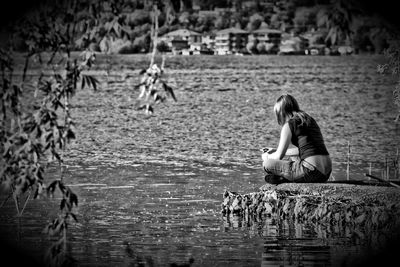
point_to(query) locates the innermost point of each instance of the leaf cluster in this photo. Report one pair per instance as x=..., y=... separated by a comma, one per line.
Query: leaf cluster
x=32, y=140
x=69, y=200
x=393, y=67
x=153, y=89
x=29, y=140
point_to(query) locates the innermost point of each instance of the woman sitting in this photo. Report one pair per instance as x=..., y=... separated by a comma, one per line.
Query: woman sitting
x=313, y=163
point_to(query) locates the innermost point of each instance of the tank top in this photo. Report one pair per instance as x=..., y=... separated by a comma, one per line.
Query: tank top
x=307, y=138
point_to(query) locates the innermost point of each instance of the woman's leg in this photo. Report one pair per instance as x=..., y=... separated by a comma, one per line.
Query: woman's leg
x=314, y=176
x=291, y=171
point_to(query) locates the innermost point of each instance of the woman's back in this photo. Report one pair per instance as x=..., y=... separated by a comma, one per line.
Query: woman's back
x=307, y=136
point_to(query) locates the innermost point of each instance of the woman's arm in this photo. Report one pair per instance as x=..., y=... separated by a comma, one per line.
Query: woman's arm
x=290, y=152
x=284, y=141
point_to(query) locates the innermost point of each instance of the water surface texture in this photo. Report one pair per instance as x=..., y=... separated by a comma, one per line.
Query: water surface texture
x=150, y=187
x=224, y=110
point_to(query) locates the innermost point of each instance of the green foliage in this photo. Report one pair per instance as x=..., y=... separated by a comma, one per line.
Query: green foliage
x=252, y=47
x=337, y=20
x=162, y=47
x=206, y=23
x=130, y=21
x=255, y=22
x=261, y=49
x=221, y=22
x=305, y=18
x=34, y=139
x=393, y=67
x=396, y=95
x=153, y=89
x=138, y=18
x=31, y=141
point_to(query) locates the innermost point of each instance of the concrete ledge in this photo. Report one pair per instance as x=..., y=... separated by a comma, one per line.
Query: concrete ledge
x=328, y=203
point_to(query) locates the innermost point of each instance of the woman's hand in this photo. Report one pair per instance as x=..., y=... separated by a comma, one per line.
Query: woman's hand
x=264, y=156
x=268, y=153
x=274, y=155
x=266, y=149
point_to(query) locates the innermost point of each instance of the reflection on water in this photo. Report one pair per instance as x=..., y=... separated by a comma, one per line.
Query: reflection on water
x=150, y=188
x=145, y=214
x=288, y=243
x=169, y=218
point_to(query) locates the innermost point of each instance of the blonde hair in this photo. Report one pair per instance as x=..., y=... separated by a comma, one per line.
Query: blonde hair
x=286, y=107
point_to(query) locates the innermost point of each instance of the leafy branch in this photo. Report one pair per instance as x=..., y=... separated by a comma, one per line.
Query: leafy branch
x=393, y=67
x=152, y=86
x=33, y=140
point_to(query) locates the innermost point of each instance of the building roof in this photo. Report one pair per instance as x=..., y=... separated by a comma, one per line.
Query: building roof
x=267, y=30
x=231, y=30
x=312, y=34
x=182, y=32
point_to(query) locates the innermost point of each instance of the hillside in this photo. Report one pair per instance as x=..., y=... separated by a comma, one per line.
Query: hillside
x=128, y=22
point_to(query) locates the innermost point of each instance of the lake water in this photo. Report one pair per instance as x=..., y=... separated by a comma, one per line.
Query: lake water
x=150, y=187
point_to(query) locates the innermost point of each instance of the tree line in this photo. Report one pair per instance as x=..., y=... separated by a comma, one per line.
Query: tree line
x=126, y=24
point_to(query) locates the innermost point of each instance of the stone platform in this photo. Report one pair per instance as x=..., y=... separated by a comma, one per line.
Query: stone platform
x=370, y=206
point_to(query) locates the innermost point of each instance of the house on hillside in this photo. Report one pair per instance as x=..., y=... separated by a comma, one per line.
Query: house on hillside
x=230, y=40
x=208, y=40
x=292, y=45
x=181, y=39
x=178, y=44
x=316, y=42
x=271, y=38
x=315, y=36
